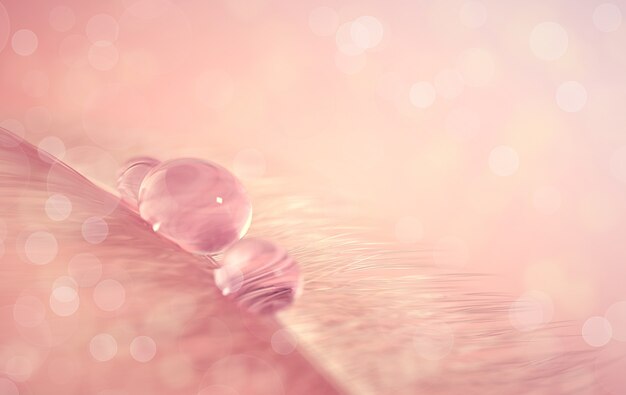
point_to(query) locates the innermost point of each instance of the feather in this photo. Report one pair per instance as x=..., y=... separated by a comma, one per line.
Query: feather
x=374, y=317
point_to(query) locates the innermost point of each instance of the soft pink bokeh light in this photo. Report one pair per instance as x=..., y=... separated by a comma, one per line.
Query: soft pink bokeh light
x=491, y=130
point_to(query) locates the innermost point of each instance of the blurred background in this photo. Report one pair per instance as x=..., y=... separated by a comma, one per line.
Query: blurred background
x=492, y=129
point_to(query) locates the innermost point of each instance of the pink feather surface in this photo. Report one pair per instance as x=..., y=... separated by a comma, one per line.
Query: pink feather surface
x=141, y=285
x=91, y=308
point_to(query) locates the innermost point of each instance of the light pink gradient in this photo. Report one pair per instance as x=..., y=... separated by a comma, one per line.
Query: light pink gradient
x=491, y=131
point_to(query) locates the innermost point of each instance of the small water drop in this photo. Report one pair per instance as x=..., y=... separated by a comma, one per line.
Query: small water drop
x=259, y=275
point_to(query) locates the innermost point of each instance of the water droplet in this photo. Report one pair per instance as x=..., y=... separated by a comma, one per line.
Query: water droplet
x=180, y=199
x=130, y=178
x=259, y=275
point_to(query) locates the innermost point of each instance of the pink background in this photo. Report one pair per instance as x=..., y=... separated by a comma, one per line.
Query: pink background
x=461, y=127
